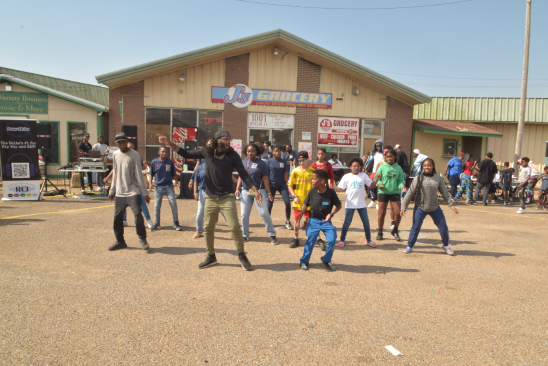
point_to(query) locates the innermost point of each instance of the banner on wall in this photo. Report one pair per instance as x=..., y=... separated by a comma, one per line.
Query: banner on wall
x=241, y=95
x=19, y=160
x=338, y=131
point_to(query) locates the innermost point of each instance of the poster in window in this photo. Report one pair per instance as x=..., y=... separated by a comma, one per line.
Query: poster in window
x=338, y=131
x=181, y=136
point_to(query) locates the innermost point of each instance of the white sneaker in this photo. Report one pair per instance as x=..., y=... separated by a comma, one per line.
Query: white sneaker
x=493, y=201
x=391, y=227
x=125, y=222
x=150, y=224
x=372, y=204
x=521, y=210
x=377, y=206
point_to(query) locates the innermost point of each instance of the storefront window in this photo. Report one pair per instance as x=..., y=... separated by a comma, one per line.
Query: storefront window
x=157, y=121
x=208, y=124
x=372, y=130
x=450, y=147
x=184, y=118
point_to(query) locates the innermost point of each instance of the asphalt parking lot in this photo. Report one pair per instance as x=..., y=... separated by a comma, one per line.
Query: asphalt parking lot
x=67, y=300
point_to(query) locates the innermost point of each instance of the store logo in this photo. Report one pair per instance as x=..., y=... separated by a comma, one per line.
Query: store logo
x=21, y=188
x=240, y=96
x=326, y=124
x=17, y=129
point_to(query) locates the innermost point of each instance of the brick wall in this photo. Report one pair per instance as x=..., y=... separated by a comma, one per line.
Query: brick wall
x=235, y=119
x=399, y=125
x=134, y=112
x=306, y=119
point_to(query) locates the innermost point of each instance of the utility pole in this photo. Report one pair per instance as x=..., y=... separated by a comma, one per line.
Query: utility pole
x=521, y=123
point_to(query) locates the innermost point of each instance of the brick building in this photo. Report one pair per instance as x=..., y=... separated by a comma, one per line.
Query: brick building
x=289, y=92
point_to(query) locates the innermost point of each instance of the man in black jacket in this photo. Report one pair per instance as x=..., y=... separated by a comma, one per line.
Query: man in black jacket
x=220, y=162
x=487, y=171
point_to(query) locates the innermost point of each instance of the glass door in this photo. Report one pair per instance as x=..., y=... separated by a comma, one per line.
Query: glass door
x=75, y=136
x=259, y=135
x=282, y=137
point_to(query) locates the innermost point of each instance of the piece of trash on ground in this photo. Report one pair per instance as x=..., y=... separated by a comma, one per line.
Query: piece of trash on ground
x=394, y=351
x=310, y=326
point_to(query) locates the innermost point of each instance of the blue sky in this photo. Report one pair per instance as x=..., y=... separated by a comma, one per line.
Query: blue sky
x=479, y=39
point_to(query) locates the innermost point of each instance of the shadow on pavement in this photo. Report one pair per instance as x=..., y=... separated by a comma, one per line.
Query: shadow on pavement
x=6, y=222
x=285, y=267
x=186, y=251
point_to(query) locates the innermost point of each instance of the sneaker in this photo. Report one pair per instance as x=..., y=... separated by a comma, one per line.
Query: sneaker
x=117, y=246
x=245, y=239
x=294, y=243
x=341, y=244
x=379, y=236
x=245, y=263
x=273, y=240
x=177, y=227
x=210, y=260
x=538, y=207
x=328, y=265
x=474, y=202
x=408, y=250
x=304, y=266
x=392, y=227
x=457, y=200
x=521, y=210
x=396, y=235
x=322, y=244
x=197, y=234
x=125, y=223
x=377, y=206
x=371, y=243
x=83, y=191
x=304, y=225
x=150, y=224
x=155, y=228
x=288, y=225
x=144, y=244
x=371, y=205
x=493, y=201
x=469, y=203
x=447, y=250
x=484, y=203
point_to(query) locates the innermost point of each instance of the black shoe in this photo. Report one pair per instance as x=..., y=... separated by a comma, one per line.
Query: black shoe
x=144, y=244
x=245, y=240
x=117, y=246
x=210, y=260
x=396, y=234
x=294, y=243
x=322, y=244
x=474, y=203
x=330, y=266
x=245, y=263
x=273, y=240
x=485, y=203
x=379, y=236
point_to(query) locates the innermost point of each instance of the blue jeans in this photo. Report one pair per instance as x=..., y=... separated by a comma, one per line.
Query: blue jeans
x=312, y=231
x=159, y=193
x=454, y=181
x=246, y=204
x=285, y=196
x=144, y=208
x=200, y=213
x=349, y=215
x=418, y=218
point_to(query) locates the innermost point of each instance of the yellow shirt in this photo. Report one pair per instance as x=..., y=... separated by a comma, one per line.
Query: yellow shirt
x=301, y=181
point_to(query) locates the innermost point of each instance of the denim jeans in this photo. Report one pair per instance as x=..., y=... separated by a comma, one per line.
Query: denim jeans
x=454, y=181
x=246, y=204
x=439, y=219
x=200, y=213
x=285, y=196
x=159, y=193
x=120, y=204
x=144, y=209
x=312, y=231
x=349, y=215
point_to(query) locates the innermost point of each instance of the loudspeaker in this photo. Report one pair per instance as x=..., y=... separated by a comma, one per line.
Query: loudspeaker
x=131, y=133
x=44, y=138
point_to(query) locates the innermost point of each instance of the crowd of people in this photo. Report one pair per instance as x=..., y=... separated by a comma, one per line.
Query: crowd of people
x=310, y=190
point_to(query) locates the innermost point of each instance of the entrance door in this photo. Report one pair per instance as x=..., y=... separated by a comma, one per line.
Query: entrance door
x=75, y=135
x=282, y=137
x=472, y=145
x=259, y=135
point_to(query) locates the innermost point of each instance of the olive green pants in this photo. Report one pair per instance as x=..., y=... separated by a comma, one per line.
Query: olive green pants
x=211, y=216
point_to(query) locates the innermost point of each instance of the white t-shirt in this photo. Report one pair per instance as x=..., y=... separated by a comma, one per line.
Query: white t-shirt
x=335, y=164
x=355, y=189
x=378, y=158
x=525, y=172
x=100, y=147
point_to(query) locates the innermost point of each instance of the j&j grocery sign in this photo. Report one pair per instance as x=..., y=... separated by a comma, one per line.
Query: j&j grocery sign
x=241, y=96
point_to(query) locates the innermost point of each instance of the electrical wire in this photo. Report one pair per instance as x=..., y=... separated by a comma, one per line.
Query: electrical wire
x=324, y=8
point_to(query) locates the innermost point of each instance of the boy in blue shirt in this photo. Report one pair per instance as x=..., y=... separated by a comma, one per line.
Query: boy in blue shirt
x=453, y=170
x=163, y=169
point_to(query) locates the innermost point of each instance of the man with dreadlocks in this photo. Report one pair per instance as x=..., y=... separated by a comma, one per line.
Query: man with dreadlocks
x=220, y=162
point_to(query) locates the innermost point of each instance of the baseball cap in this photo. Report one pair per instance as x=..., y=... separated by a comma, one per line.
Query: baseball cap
x=303, y=154
x=461, y=153
x=416, y=151
x=86, y=134
x=222, y=133
x=120, y=136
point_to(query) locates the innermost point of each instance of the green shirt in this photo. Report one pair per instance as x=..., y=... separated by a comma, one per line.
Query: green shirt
x=391, y=177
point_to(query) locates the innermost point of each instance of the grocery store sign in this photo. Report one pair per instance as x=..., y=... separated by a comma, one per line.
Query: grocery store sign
x=241, y=96
x=338, y=131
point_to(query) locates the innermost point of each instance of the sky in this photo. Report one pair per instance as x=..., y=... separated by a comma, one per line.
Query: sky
x=468, y=49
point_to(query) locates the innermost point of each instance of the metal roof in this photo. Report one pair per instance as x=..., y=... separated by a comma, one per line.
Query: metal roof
x=454, y=128
x=278, y=35
x=71, y=98
x=92, y=93
x=483, y=110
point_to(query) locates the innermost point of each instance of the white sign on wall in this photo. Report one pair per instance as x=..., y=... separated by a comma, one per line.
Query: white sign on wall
x=338, y=131
x=268, y=120
x=307, y=136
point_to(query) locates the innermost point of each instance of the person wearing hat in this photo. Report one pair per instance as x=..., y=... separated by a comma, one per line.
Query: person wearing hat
x=128, y=184
x=417, y=165
x=299, y=184
x=83, y=149
x=453, y=170
x=220, y=162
